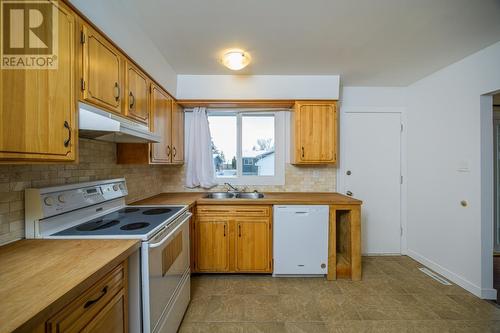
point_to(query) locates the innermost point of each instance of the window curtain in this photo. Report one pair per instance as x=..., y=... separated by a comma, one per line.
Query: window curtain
x=200, y=167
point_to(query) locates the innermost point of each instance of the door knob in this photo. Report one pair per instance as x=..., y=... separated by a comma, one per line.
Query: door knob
x=349, y=193
x=348, y=172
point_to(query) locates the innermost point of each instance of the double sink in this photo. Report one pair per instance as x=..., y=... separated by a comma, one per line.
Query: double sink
x=235, y=195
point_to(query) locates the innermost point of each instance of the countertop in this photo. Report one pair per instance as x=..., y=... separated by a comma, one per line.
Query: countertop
x=37, y=277
x=270, y=198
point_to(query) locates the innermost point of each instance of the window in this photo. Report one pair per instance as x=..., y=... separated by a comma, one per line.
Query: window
x=248, y=148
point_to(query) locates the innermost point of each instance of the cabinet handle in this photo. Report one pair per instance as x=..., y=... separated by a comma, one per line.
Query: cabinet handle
x=91, y=302
x=239, y=230
x=302, y=152
x=117, y=91
x=131, y=100
x=68, y=140
x=168, y=150
x=224, y=230
x=175, y=151
x=249, y=211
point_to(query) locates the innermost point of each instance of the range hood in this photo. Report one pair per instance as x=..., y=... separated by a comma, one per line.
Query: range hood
x=97, y=124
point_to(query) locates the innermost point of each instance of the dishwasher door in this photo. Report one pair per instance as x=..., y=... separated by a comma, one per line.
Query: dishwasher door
x=300, y=240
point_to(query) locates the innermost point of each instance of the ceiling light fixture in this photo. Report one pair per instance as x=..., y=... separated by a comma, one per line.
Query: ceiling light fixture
x=235, y=59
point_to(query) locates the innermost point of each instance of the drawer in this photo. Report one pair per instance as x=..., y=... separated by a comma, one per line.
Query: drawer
x=240, y=210
x=76, y=315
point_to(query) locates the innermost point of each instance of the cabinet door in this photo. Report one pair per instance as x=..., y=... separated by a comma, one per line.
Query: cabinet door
x=102, y=71
x=253, y=245
x=316, y=133
x=177, y=133
x=161, y=110
x=137, y=83
x=38, y=106
x=112, y=318
x=212, y=244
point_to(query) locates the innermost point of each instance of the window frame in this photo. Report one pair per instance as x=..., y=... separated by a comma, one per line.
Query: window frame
x=279, y=149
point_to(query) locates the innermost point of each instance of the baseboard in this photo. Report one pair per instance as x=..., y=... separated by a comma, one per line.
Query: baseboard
x=489, y=294
x=470, y=287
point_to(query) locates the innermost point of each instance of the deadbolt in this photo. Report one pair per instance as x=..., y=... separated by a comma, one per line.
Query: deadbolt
x=348, y=172
x=349, y=193
x=323, y=265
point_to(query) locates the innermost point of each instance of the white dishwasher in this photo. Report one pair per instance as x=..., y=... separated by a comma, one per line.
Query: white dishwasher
x=300, y=240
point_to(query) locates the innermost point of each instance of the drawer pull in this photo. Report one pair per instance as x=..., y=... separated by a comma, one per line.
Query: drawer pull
x=91, y=302
x=215, y=211
x=249, y=211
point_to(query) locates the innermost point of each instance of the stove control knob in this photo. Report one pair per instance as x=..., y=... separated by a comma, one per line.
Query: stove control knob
x=115, y=187
x=49, y=201
x=61, y=198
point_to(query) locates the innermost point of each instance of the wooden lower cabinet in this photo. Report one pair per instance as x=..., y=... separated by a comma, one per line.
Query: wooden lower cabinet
x=101, y=308
x=252, y=245
x=212, y=244
x=111, y=318
x=233, y=239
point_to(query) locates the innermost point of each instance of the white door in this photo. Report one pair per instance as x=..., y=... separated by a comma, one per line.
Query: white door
x=371, y=171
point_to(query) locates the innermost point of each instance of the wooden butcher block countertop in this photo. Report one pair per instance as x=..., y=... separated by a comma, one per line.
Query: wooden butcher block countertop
x=37, y=277
x=270, y=198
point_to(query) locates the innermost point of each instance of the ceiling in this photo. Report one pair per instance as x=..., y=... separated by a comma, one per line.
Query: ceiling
x=366, y=42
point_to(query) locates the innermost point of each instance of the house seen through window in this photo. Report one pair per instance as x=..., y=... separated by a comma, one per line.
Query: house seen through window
x=244, y=144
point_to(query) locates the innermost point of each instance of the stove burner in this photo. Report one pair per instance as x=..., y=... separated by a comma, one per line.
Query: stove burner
x=129, y=210
x=134, y=226
x=97, y=225
x=156, y=211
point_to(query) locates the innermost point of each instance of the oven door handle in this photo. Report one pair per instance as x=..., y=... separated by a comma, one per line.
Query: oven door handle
x=160, y=243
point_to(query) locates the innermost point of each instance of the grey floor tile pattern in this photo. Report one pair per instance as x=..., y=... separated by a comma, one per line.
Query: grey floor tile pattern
x=394, y=296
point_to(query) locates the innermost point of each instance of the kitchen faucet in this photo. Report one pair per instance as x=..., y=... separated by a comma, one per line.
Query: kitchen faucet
x=234, y=189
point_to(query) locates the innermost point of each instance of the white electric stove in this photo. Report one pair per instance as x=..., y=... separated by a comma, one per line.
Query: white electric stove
x=159, y=283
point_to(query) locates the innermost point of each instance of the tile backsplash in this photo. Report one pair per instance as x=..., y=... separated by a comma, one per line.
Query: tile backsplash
x=297, y=179
x=98, y=161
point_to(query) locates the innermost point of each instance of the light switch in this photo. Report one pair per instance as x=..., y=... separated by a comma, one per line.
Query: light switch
x=463, y=166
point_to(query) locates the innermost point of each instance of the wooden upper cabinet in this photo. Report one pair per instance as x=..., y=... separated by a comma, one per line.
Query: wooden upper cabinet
x=137, y=98
x=253, y=245
x=314, y=131
x=38, y=106
x=102, y=71
x=161, y=110
x=167, y=121
x=177, y=133
x=212, y=244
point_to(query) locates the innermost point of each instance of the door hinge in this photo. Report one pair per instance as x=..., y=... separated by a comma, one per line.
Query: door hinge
x=151, y=89
x=401, y=127
x=82, y=37
x=82, y=84
x=401, y=230
x=401, y=180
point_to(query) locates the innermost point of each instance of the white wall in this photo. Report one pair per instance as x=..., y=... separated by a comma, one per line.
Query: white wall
x=258, y=86
x=111, y=17
x=448, y=138
x=373, y=97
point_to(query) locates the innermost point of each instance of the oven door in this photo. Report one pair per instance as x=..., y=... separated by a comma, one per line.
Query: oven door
x=165, y=259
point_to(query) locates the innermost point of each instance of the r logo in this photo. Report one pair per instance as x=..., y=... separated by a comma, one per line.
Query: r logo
x=29, y=28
